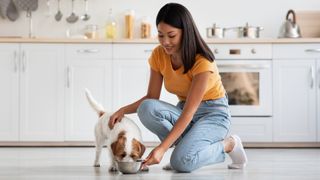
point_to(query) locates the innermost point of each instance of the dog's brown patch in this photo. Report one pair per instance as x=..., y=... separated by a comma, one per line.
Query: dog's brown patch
x=119, y=145
x=137, y=149
x=101, y=113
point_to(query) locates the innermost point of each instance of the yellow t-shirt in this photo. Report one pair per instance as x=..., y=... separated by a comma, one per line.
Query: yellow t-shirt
x=178, y=83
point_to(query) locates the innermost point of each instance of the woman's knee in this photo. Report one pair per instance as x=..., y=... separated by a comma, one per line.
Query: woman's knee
x=146, y=108
x=182, y=162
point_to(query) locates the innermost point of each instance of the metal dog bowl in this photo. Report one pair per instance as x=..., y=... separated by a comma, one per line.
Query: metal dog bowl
x=130, y=167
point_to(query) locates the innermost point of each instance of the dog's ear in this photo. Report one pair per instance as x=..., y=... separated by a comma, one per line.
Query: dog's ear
x=139, y=147
x=118, y=146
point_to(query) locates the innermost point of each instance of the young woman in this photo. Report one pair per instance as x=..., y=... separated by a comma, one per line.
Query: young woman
x=198, y=125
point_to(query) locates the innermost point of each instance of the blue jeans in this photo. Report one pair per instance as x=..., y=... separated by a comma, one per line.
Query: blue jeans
x=201, y=142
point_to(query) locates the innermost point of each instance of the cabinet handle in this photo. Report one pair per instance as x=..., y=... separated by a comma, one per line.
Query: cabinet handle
x=148, y=50
x=24, y=61
x=312, y=77
x=313, y=50
x=244, y=66
x=68, y=77
x=319, y=78
x=88, y=50
x=15, y=60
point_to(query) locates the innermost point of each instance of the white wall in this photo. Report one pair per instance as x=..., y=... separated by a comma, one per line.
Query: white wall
x=226, y=13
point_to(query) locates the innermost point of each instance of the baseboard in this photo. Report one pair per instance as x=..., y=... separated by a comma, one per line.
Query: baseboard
x=153, y=144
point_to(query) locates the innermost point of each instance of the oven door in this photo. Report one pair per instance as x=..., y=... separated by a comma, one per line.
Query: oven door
x=248, y=86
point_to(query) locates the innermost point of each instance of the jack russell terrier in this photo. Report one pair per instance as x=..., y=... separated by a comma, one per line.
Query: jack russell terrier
x=124, y=139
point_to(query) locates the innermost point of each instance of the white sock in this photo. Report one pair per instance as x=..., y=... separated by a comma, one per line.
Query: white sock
x=238, y=155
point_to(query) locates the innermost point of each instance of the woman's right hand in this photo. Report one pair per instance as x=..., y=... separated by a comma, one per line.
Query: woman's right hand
x=115, y=117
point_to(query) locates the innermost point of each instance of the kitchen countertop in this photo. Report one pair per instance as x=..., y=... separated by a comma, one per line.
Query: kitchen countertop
x=152, y=41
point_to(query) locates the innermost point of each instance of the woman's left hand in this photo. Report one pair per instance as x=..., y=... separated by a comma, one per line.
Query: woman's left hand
x=155, y=156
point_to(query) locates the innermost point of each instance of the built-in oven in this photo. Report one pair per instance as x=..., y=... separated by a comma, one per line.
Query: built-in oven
x=246, y=73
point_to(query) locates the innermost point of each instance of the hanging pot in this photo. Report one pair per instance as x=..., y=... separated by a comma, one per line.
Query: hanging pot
x=290, y=28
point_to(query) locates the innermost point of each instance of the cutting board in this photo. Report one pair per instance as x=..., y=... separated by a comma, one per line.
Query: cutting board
x=309, y=22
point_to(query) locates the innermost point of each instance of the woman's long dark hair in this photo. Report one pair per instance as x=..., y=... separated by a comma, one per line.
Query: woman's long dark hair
x=178, y=16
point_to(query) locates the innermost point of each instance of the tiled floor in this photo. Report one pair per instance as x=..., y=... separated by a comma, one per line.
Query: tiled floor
x=76, y=163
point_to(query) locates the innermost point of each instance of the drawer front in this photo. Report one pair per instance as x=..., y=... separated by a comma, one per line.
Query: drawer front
x=132, y=51
x=242, y=51
x=95, y=51
x=296, y=51
x=252, y=129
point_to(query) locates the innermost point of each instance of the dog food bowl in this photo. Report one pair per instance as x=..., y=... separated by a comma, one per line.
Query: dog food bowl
x=130, y=167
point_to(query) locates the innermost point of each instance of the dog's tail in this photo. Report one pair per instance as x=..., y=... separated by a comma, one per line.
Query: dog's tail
x=94, y=104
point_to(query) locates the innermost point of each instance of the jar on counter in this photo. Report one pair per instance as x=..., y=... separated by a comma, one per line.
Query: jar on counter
x=145, y=28
x=91, y=31
x=129, y=24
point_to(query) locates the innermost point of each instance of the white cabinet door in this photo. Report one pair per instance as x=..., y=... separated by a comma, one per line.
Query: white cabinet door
x=9, y=101
x=41, y=92
x=131, y=79
x=294, y=100
x=87, y=66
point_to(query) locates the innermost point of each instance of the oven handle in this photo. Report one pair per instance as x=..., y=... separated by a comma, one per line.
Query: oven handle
x=313, y=50
x=244, y=66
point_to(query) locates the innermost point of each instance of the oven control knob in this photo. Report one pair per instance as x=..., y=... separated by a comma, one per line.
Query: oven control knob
x=253, y=51
x=216, y=51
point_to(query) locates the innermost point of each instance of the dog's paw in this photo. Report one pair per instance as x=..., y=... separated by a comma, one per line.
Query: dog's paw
x=167, y=167
x=145, y=168
x=113, y=169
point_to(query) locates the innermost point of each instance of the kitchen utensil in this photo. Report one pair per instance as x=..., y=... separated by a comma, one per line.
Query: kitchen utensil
x=29, y=6
x=3, y=8
x=249, y=31
x=12, y=11
x=216, y=32
x=59, y=14
x=129, y=167
x=48, y=12
x=290, y=28
x=73, y=17
x=86, y=16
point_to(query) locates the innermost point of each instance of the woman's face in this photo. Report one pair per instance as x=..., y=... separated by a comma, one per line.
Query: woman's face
x=170, y=38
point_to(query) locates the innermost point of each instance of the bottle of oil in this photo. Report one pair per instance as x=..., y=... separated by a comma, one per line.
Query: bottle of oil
x=111, y=26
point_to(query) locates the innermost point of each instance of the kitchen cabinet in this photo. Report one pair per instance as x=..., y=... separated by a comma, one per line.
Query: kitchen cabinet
x=87, y=66
x=296, y=88
x=33, y=93
x=9, y=78
x=131, y=77
x=252, y=129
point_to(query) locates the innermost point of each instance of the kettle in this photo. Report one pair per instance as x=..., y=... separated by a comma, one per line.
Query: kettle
x=290, y=28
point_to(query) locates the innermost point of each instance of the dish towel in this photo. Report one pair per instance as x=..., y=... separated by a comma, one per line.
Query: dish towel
x=3, y=8
x=26, y=5
x=12, y=12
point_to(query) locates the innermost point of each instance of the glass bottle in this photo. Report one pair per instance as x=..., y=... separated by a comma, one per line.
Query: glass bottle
x=111, y=26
